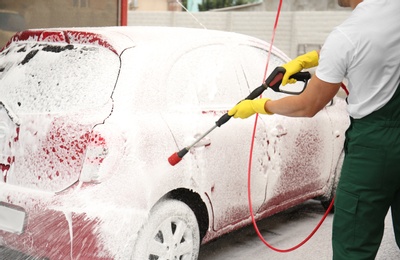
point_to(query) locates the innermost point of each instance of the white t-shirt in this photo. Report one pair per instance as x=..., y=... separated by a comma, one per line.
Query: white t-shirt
x=365, y=49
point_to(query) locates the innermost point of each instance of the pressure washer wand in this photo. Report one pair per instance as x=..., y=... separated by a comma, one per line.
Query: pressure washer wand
x=273, y=81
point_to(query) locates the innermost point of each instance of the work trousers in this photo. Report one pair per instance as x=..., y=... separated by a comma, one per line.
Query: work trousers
x=369, y=184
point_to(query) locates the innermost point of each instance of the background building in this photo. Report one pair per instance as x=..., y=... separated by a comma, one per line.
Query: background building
x=65, y=13
x=17, y=15
x=261, y=5
x=154, y=5
x=297, y=32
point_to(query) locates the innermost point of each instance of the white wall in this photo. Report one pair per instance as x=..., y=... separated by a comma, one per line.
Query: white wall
x=297, y=32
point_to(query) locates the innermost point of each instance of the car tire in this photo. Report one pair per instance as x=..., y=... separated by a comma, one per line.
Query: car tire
x=326, y=203
x=172, y=232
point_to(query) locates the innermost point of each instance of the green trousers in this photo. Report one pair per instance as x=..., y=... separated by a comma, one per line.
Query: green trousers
x=369, y=184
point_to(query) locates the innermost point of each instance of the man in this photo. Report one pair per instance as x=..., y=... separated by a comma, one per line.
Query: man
x=365, y=49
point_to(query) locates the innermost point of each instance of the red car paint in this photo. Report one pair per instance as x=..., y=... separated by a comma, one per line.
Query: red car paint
x=67, y=36
x=75, y=240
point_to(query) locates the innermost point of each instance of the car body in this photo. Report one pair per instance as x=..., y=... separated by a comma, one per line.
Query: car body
x=10, y=23
x=89, y=117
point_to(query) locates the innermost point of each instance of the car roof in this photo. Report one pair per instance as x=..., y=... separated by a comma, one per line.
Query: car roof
x=119, y=38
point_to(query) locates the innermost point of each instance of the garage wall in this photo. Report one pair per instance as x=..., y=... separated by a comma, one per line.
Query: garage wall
x=297, y=33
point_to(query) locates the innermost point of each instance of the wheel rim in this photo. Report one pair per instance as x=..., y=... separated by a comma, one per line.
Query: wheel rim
x=173, y=240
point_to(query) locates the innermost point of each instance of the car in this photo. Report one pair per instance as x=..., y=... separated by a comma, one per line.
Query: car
x=90, y=116
x=10, y=23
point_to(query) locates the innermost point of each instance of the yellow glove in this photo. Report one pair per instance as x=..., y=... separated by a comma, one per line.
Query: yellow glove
x=305, y=61
x=247, y=108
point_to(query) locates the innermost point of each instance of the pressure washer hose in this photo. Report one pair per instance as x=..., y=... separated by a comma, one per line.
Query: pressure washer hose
x=252, y=212
x=251, y=159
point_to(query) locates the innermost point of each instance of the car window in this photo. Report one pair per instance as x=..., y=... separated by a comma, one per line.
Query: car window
x=206, y=76
x=253, y=61
x=56, y=78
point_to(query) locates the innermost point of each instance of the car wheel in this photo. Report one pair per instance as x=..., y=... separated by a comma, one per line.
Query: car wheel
x=326, y=203
x=172, y=232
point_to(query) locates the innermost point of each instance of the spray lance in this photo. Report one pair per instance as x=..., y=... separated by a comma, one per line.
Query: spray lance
x=273, y=81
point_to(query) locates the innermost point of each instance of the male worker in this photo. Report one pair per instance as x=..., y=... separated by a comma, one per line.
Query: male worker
x=366, y=50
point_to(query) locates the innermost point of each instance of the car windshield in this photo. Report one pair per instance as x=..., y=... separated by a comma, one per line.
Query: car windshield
x=11, y=22
x=50, y=78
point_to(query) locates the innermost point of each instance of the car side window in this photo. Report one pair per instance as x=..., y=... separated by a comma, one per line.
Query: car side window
x=206, y=76
x=254, y=64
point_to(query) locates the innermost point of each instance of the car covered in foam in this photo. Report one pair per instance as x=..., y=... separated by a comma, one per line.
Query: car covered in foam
x=89, y=117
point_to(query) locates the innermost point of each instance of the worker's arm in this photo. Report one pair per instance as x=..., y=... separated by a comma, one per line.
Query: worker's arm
x=314, y=98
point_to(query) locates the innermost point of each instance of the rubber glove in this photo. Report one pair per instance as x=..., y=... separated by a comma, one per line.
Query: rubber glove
x=305, y=61
x=247, y=108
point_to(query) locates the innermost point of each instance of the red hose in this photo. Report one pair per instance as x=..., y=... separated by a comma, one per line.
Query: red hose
x=252, y=213
x=250, y=165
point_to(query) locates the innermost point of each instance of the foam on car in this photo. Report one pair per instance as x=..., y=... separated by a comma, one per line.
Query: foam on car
x=64, y=36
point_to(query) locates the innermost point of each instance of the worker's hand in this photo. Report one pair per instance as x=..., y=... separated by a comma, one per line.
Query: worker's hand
x=304, y=61
x=247, y=108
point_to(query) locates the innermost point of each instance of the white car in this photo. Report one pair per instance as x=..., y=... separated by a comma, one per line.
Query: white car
x=90, y=116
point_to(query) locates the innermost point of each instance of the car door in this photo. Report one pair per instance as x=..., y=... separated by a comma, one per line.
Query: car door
x=296, y=154
x=214, y=84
